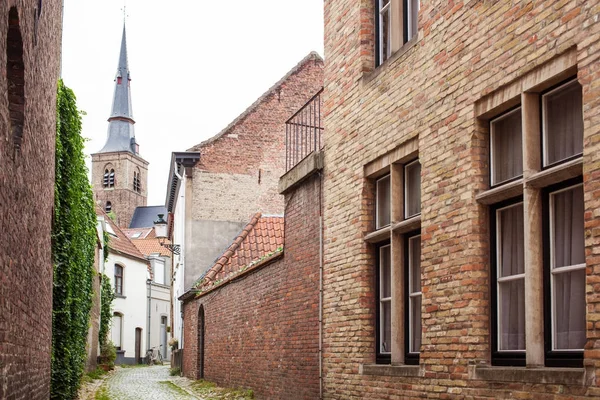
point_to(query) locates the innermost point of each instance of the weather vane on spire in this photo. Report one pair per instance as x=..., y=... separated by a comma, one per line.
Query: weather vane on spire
x=125, y=15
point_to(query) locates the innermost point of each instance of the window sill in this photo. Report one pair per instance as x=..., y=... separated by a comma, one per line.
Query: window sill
x=407, y=225
x=120, y=296
x=379, y=235
x=389, y=370
x=556, y=174
x=536, y=375
x=369, y=76
x=501, y=193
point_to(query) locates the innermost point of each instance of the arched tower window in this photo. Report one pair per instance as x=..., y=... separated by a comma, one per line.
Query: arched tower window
x=108, y=179
x=15, y=75
x=111, y=178
x=108, y=207
x=137, y=182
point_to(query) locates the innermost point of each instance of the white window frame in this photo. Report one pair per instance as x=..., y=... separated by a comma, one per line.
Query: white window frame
x=409, y=15
x=500, y=279
x=406, y=190
x=389, y=202
x=382, y=299
x=411, y=296
x=555, y=271
x=381, y=10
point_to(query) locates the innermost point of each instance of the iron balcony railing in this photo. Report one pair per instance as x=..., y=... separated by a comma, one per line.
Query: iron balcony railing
x=303, y=131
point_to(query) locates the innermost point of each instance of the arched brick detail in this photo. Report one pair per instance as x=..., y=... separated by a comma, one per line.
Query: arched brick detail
x=15, y=75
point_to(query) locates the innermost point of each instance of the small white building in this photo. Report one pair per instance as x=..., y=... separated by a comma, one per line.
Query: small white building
x=129, y=272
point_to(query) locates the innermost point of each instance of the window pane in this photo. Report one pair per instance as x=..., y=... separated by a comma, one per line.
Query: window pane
x=569, y=310
x=563, y=123
x=386, y=326
x=415, y=264
x=413, y=13
x=415, y=324
x=567, y=222
x=506, y=147
x=385, y=271
x=159, y=272
x=511, y=318
x=383, y=202
x=116, y=331
x=384, y=32
x=412, y=189
x=511, y=256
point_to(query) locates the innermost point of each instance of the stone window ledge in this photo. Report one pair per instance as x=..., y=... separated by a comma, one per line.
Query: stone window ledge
x=389, y=370
x=536, y=375
x=120, y=296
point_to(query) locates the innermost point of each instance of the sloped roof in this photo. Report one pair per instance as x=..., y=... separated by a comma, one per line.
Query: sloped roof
x=261, y=237
x=312, y=56
x=151, y=246
x=144, y=217
x=138, y=233
x=119, y=242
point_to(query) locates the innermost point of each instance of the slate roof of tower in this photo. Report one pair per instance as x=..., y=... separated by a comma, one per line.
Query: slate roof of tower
x=121, y=134
x=144, y=217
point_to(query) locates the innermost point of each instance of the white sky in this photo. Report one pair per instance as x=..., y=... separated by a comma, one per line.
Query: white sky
x=195, y=65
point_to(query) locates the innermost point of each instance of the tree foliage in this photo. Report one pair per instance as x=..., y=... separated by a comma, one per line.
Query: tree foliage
x=107, y=294
x=73, y=247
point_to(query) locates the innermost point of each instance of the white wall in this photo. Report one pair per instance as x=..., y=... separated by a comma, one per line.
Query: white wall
x=179, y=262
x=134, y=302
x=160, y=306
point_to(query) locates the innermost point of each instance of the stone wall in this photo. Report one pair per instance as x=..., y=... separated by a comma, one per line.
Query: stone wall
x=261, y=330
x=27, y=139
x=425, y=101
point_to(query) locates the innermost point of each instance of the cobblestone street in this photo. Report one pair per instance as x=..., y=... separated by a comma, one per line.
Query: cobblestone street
x=146, y=383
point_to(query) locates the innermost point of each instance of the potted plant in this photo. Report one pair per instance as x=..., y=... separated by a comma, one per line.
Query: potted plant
x=174, y=343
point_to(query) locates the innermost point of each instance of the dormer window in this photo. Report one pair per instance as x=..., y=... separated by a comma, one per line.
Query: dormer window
x=119, y=80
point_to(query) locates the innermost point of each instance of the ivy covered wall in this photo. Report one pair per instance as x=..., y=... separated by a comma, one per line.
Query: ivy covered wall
x=74, y=241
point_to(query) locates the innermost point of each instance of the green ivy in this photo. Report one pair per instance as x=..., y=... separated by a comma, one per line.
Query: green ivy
x=73, y=248
x=107, y=295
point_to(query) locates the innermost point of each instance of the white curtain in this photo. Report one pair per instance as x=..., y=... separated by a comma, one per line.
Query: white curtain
x=413, y=189
x=563, y=122
x=383, y=202
x=117, y=328
x=385, y=295
x=507, y=147
x=511, y=293
x=569, y=286
x=415, y=287
x=159, y=271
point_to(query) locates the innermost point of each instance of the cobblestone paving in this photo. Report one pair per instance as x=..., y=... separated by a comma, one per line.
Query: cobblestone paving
x=144, y=383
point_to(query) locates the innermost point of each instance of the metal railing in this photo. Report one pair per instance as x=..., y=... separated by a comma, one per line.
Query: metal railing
x=303, y=131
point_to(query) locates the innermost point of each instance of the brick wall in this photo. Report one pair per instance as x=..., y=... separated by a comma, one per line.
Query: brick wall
x=261, y=331
x=465, y=50
x=26, y=198
x=123, y=198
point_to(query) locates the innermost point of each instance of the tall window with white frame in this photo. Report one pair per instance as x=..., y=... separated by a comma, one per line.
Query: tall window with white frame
x=561, y=212
x=118, y=280
x=396, y=23
x=397, y=222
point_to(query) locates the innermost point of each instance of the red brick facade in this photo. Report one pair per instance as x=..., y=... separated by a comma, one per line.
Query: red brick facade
x=261, y=328
x=433, y=99
x=27, y=138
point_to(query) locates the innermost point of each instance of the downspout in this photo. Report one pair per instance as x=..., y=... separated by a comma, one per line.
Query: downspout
x=320, y=289
x=149, y=282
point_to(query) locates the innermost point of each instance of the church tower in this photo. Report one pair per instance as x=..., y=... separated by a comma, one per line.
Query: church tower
x=119, y=174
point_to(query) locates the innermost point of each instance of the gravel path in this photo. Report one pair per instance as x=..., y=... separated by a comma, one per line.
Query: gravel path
x=145, y=383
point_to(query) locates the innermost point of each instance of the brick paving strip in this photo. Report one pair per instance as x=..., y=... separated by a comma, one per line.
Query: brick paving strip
x=146, y=383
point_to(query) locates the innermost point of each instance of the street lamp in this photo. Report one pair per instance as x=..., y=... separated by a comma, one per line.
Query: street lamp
x=160, y=230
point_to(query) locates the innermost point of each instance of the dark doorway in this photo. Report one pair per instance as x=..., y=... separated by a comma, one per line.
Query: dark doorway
x=201, y=343
x=138, y=345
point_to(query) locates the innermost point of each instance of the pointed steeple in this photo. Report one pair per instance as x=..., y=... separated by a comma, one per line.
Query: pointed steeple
x=121, y=135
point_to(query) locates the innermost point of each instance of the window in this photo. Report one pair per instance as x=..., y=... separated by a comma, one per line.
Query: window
x=562, y=119
x=159, y=270
x=385, y=304
x=564, y=273
x=383, y=206
x=396, y=22
x=119, y=280
x=116, y=331
x=413, y=298
x=536, y=223
x=137, y=185
x=506, y=147
x=108, y=179
x=108, y=207
x=398, y=273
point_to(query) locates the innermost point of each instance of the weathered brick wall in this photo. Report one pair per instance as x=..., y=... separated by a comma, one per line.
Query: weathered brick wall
x=465, y=50
x=123, y=198
x=26, y=199
x=239, y=169
x=261, y=331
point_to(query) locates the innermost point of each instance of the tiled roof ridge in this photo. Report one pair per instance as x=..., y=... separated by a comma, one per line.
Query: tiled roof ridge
x=312, y=56
x=230, y=251
x=122, y=236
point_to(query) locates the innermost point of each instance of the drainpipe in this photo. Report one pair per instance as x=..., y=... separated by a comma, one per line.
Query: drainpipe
x=320, y=290
x=149, y=282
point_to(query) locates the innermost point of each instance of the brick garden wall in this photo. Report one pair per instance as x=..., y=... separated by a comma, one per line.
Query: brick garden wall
x=428, y=91
x=261, y=331
x=27, y=117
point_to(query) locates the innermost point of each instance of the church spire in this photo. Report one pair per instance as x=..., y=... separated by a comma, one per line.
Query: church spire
x=121, y=135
